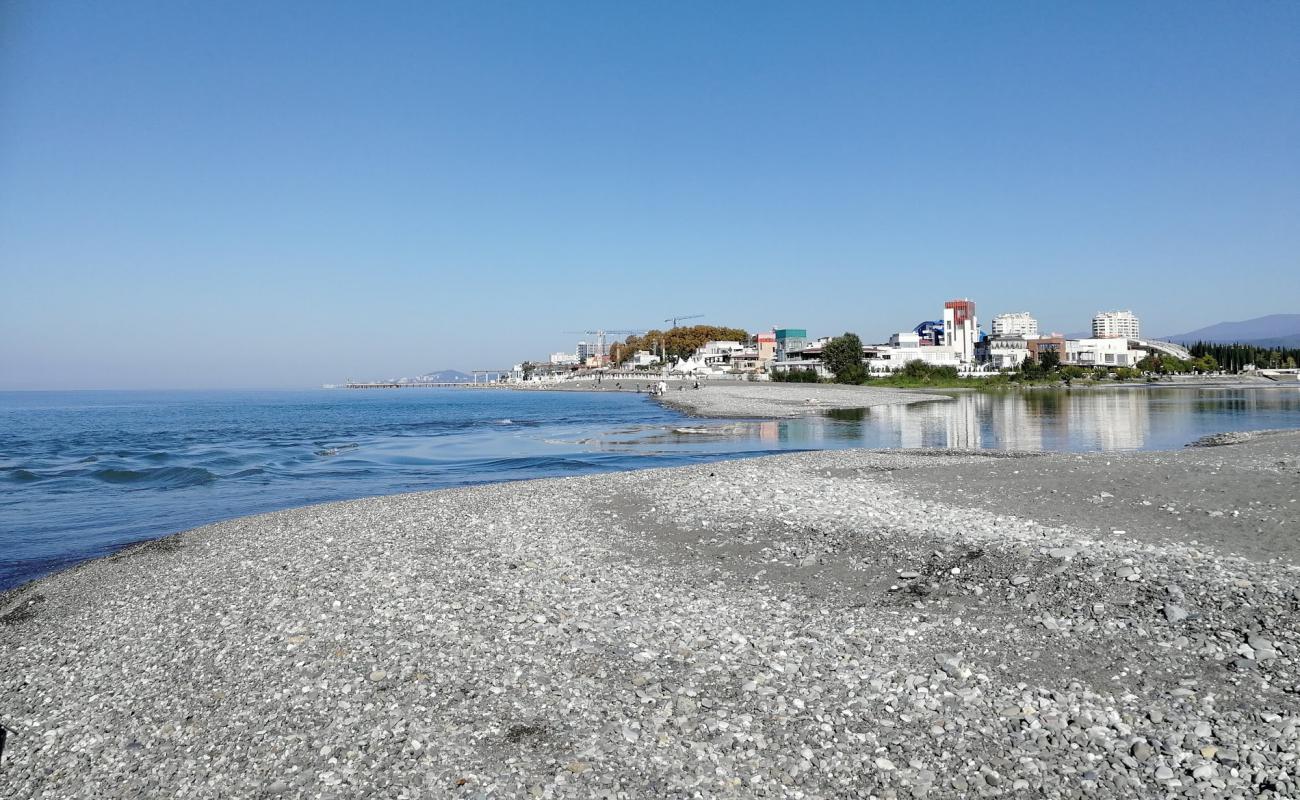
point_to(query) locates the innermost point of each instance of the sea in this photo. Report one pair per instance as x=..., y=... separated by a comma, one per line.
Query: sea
x=83, y=474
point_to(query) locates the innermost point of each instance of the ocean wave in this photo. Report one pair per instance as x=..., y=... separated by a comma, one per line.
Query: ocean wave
x=543, y=463
x=159, y=478
x=22, y=476
x=333, y=451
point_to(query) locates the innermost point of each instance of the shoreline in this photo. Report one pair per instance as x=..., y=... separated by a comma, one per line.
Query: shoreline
x=924, y=623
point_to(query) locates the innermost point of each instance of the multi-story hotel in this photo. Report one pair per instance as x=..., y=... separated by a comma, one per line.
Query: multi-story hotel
x=1115, y=325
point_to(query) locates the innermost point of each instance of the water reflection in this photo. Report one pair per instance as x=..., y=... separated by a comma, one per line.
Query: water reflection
x=1078, y=420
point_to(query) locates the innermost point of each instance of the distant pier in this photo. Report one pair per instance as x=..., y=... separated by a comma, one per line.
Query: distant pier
x=430, y=385
x=490, y=377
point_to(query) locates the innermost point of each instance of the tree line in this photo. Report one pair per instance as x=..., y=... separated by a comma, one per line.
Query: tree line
x=680, y=342
x=1233, y=357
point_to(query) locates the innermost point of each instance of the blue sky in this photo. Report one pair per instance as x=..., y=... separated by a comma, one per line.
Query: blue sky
x=283, y=194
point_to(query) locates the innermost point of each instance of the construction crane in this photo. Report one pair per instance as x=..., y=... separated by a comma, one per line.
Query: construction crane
x=600, y=335
x=675, y=320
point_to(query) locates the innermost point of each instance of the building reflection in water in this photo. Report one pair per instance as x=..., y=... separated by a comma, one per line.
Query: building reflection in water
x=1031, y=420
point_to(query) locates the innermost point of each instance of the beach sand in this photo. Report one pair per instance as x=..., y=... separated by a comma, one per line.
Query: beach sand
x=827, y=624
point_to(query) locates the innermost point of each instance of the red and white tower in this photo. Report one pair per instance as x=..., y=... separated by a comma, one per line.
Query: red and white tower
x=961, y=328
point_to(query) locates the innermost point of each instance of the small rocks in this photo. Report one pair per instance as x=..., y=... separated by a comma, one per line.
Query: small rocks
x=1175, y=613
x=1141, y=750
x=400, y=654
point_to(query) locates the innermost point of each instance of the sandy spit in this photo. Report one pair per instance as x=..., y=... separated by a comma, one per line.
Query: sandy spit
x=762, y=399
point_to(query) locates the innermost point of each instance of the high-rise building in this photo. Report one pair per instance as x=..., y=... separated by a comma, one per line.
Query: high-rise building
x=584, y=350
x=1115, y=325
x=960, y=328
x=1019, y=323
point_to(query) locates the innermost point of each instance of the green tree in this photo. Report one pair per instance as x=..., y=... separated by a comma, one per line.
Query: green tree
x=1150, y=363
x=529, y=368
x=805, y=375
x=842, y=356
x=1049, y=360
x=916, y=369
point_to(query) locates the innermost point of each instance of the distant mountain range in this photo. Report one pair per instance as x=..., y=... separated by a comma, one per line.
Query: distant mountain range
x=1274, y=330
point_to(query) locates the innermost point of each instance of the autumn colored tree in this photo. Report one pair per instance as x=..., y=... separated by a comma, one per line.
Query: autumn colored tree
x=678, y=342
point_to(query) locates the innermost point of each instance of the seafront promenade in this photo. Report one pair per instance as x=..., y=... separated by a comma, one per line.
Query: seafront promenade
x=816, y=624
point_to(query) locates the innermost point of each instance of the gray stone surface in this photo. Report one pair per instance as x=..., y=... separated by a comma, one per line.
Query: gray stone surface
x=742, y=399
x=807, y=625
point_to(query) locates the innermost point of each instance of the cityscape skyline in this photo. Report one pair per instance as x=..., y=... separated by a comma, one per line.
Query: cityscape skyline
x=188, y=200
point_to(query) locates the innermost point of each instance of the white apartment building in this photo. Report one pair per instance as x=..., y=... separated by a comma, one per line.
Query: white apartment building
x=1115, y=325
x=905, y=347
x=1018, y=323
x=1102, y=352
x=1006, y=352
x=563, y=358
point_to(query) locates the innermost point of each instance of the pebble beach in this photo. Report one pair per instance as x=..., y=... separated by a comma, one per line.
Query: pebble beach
x=809, y=625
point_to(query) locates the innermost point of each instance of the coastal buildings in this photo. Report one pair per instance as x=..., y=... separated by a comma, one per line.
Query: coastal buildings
x=1101, y=352
x=643, y=358
x=789, y=340
x=908, y=346
x=961, y=328
x=1006, y=351
x=1056, y=343
x=1018, y=323
x=1115, y=325
x=955, y=341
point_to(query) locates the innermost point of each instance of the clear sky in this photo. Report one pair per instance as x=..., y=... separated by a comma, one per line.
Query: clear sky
x=283, y=194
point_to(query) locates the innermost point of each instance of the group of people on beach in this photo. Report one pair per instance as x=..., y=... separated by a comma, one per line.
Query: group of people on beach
x=661, y=388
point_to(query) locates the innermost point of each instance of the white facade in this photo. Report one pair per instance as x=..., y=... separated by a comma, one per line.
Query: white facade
x=1101, y=352
x=1018, y=323
x=891, y=359
x=644, y=358
x=585, y=350
x=563, y=358
x=905, y=339
x=1006, y=352
x=1115, y=325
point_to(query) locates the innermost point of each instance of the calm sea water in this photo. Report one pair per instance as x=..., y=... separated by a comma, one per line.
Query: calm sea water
x=84, y=473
